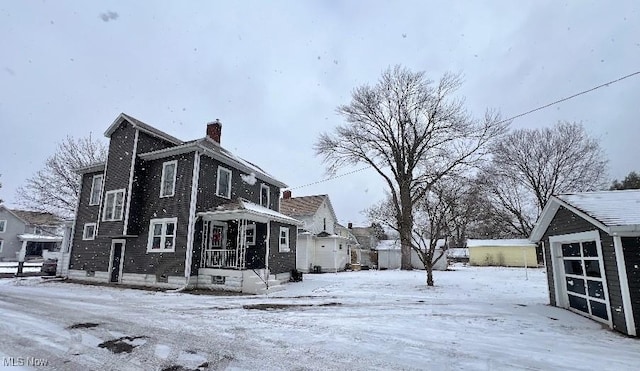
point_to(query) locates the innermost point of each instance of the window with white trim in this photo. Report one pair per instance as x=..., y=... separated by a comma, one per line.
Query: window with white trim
x=168, y=180
x=162, y=235
x=96, y=190
x=223, y=187
x=113, y=205
x=3, y=226
x=1, y=245
x=89, y=231
x=284, y=239
x=264, y=195
x=250, y=234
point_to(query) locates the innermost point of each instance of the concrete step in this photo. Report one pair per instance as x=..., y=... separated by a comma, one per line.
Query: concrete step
x=272, y=289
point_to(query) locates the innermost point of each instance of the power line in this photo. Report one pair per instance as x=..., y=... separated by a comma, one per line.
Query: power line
x=499, y=122
x=570, y=97
x=333, y=177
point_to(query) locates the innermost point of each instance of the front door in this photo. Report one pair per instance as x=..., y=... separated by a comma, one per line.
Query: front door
x=117, y=251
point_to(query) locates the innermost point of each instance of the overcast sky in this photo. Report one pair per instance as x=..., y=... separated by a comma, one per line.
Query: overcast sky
x=274, y=72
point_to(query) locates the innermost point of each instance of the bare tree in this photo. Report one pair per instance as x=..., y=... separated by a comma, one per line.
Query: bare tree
x=412, y=132
x=434, y=215
x=55, y=188
x=531, y=165
x=631, y=181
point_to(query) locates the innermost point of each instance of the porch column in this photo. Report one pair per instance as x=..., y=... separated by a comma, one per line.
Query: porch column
x=267, y=249
x=21, y=255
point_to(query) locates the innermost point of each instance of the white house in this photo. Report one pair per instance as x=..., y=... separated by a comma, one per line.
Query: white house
x=390, y=255
x=323, y=244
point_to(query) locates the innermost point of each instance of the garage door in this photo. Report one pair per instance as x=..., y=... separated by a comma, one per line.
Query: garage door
x=584, y=278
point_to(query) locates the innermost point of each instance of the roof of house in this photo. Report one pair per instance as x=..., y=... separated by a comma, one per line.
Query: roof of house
x=35, y=217
x=612, y=211
x=142, y=126
x=205, y=145
x=302, y=206
x=502, y=243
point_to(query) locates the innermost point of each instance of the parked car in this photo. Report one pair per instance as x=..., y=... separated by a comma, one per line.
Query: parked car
x=49, y=267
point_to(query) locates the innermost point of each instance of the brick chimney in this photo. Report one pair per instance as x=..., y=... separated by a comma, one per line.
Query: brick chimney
x=350, y=225
x=286, y=195
x=214, y=130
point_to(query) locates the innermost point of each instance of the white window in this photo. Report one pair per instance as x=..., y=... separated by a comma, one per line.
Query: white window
x=162, y=235
x=284, y=239
x=223, y=189
x=1, y=245
x=250, y=234
x=89, y=231
x=264, y=195
x=3, y=226
x=168, y=182
x=96, y=190
x=114, y=201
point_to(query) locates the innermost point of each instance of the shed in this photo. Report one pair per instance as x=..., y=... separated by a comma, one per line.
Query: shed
x=506, y=252
x=591, y=244
x=390, y=255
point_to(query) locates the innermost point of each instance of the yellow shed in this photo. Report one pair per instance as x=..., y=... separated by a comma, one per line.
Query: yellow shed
x=507, y=253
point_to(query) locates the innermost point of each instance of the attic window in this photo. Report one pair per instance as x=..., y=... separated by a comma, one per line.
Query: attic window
x=3, y=226
x=168, y=182
x=223, y=188
x=264, y=195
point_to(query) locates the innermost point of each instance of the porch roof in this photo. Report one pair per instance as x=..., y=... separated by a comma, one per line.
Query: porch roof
x=243, y=209
x=38, y=238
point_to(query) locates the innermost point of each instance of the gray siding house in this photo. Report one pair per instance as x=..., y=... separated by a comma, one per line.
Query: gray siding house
x=591, y=244
x=34, y=231
x=163, y=212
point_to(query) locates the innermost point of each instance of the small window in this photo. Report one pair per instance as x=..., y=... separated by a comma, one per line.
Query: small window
x=168, y=181
x=113, y=205
x=284, y=239
x=3, y=226
x=223, y=188
x=96, y=190
x=162, y=235
x=1, y=245
x=89, y=232
x=264, y=195
x=250, y=234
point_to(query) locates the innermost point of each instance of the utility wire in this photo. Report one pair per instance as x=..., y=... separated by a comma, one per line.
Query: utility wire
x=500, y=122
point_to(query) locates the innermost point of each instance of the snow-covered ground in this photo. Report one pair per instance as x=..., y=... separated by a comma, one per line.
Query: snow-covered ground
x=12, y=267
x=475, y=319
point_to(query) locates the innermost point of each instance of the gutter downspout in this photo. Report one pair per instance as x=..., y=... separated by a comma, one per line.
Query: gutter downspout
x=195, y=176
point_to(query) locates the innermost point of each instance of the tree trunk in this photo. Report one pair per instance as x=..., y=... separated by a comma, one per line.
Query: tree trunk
x=429, y=276
x=406, y=226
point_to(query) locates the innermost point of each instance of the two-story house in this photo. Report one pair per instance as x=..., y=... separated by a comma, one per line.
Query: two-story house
x=25, y=233
x=163, y=212
x=323, y=244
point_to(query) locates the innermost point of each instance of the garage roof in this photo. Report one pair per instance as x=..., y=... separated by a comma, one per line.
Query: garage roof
x=614, y=212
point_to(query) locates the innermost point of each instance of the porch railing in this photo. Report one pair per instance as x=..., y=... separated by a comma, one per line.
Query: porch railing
x=220, y=259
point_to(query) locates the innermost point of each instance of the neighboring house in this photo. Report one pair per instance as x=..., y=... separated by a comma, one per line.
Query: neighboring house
x=163, y=212
x=33, y=233
x=390, y=255
x=504, y=253
x=323, y=244
x=366, y=253
x=591, y=244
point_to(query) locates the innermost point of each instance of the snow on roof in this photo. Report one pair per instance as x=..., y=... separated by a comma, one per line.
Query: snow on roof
x=242, y=208
x=263, y=210
x=611, y=208
x=501, y=243
x=38, y=238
